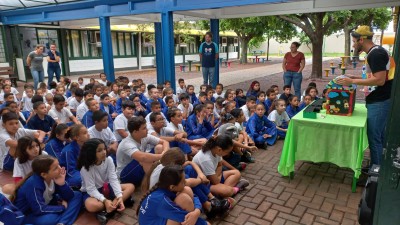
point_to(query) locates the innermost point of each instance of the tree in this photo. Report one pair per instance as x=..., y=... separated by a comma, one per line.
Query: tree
x=252, y=31
x=315, y=26
x=349, y=20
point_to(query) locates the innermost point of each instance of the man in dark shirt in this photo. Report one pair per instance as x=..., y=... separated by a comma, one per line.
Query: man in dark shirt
x=378, y=101
x=208, y=52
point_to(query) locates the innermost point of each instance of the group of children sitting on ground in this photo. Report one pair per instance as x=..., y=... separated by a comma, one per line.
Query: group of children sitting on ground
x=90, y=145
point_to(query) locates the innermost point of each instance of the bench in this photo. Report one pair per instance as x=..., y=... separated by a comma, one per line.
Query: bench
x=198, y=66
x=10, y=72
x=182, y=67
x=327, y=72
x=228, y=64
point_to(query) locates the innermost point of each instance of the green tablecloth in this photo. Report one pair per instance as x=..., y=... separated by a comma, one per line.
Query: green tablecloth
x=340, y=140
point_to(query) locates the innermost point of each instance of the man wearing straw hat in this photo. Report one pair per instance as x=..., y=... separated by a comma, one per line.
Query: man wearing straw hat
x=378, y=101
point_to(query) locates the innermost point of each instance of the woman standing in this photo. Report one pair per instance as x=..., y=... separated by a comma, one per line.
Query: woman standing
x=293, y=65
x=35, y=63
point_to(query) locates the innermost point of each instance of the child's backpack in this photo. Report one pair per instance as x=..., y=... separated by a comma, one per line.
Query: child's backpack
x=9, y=214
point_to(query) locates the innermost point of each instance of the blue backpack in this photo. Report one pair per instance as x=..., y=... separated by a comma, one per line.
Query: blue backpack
x=9, y=214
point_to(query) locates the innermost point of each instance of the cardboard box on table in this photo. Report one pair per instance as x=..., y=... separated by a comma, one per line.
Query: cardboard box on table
x=340, y=100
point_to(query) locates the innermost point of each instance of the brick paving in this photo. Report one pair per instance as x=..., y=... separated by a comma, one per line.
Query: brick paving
x=320, y=193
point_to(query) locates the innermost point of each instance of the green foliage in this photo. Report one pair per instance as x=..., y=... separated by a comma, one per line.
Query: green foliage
x=305, y=40
x=183, y=28
x=256, y=42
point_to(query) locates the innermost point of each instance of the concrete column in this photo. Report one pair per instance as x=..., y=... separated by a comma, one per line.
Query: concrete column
x=159, y=53
x=167, y=28
x=106, y=48
x=215, y=31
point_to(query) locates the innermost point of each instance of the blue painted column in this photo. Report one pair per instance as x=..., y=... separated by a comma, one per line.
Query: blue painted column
x=159, y=53
x=167, y=28
x=106, y=48
x=214, y=24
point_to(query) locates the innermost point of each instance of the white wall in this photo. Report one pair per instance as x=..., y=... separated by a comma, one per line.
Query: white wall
x=4, y=64
x=97, y=64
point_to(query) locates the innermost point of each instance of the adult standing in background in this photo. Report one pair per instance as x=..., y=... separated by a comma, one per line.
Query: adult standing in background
x=293, y=65
x=35, y=63
x=53, y=66
x=208, y=52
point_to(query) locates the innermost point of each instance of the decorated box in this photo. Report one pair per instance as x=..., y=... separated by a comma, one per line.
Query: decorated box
x=340, y=100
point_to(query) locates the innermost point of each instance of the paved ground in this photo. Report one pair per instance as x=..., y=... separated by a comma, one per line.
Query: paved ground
x=318, y=194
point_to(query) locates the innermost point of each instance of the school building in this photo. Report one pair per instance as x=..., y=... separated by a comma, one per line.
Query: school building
x=79, y=43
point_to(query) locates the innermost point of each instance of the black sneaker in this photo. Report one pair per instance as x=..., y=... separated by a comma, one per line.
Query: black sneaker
x=219, y=207
x=247, y=158
x=129, y=203
x=243, y=183
x=102, y=217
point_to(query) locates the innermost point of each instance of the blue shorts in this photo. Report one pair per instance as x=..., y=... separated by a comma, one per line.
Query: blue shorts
x=132, y=173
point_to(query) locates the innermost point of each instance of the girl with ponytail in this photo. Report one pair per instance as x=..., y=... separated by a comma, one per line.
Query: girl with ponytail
x=166, y=203
x=44, y=196
x=223, y=183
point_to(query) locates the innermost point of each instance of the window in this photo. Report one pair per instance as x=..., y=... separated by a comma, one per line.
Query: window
x=148, y=44
x=85, y=43
x=76, y=43
x=128, y=44
x=114, y=43
x=2, y=46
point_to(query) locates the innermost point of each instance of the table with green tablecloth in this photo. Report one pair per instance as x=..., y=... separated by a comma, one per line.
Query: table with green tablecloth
x=341, y=140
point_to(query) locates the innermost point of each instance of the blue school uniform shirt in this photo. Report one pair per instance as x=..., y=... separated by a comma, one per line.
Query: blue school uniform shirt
x=111, y=108
x=194, y=128
x=30, y=198
x=54, y=147
x=143, y=99
x=9, y=214
x=292, y=111
x=158, y=207
x=69, y=158
x=267, y=104
x=87, y=120
x=148, y=104
x=118, y=105
x=208, y=52
x=240, y=101
x=258, y=126
x=252, y=93
x=35, y=123
x=192, y=98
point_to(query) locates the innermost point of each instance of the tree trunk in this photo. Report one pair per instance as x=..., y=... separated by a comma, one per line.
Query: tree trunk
x=347, y=44
x=268, y=48
x=244, y=43
x=317, y=43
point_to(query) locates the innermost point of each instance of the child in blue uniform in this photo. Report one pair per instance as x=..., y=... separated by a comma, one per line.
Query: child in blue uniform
x=260, y=129
x=57, y=140
x=293, y=108
x=197, y=126
x=93, y=106
x=253, y=89
x=162, y=205
x=280, y=117
x=191, y=93
x=195, y=180
x=96, y=170
x=271, y=96
x=69, y=155
x=9, y=214
x=45, y=197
